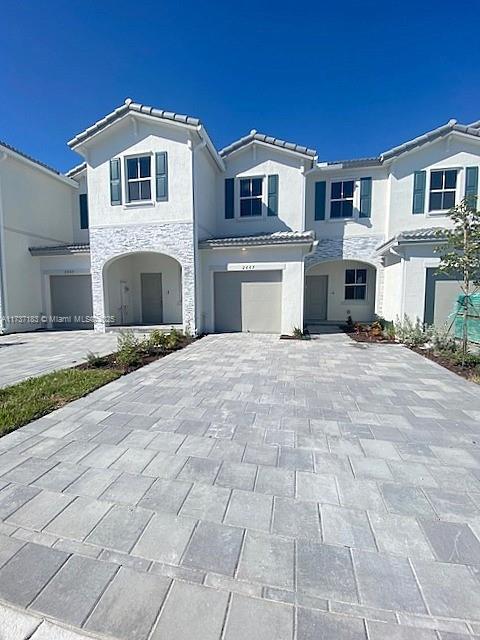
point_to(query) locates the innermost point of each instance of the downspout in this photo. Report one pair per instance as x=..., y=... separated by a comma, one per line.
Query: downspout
x=3, y=309
x=196, y=277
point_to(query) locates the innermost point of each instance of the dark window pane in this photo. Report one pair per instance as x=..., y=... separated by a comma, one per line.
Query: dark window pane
x=132, y=167
x=360, y=292
x=244, y=188
x=257, y=207
x=336, y=209
x=347, y=209
x=348, y=189
x=257, y=187
x=145, y=167
x=361, y=276
x=349, y=293
x=350, y=276
x=436, y=180
x=245, y=208
x=435, y=201
x=145, y=192
x=448, y=199
x=133, y=191
x=450, y=179
x=336, y=190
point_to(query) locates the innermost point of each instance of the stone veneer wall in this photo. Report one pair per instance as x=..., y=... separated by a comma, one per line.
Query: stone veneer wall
x=172, y=239
x=360, y=248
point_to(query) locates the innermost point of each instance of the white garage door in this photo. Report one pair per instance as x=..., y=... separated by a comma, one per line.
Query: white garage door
x=71, y=298
x=250, y=302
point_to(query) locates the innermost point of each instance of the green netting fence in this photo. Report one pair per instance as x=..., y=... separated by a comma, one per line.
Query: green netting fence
x=469, y=307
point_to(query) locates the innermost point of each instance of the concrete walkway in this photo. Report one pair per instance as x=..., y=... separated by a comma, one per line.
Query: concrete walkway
x=248, y=487
x=25, y=355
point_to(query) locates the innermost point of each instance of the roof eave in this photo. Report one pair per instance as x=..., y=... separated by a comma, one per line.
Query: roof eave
x=19, y=157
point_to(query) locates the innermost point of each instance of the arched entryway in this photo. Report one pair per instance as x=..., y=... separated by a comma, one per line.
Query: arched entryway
x=337, y=289
x=143, y=288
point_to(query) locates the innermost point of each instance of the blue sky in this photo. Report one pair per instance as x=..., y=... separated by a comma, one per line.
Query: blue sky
x=349, y=79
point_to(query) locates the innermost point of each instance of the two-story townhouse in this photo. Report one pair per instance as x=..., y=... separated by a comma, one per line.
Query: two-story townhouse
x=260, y=236
x=38, y=206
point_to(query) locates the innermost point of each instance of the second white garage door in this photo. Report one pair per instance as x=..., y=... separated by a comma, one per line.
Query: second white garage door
x=71, y=298
x=250, y=302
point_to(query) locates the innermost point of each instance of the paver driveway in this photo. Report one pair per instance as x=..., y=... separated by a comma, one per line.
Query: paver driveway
x=25, y=355
x=247, y=487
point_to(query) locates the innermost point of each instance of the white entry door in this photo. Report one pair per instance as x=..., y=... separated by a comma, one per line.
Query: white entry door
x=152, y=298
x=316, y=295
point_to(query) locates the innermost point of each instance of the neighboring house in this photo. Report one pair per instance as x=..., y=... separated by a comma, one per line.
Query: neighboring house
x=260, y=236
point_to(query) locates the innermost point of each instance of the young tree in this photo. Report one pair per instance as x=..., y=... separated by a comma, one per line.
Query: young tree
x=460, y=255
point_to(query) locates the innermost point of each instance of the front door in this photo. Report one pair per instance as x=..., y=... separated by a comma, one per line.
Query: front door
x=316, y=294
x=152, y=302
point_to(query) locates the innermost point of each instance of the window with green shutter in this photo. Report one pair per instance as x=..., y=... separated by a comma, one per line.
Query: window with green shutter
x=83, y=210
x=471, y=186
x=115, y=181
x=273, y=195
x=320, y=193
x=365, y=197
x=419, y=183
x=161, y=176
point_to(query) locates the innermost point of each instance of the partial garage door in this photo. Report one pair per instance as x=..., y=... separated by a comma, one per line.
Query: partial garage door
x=440, y=298
x=250, y=302
x=71, y=298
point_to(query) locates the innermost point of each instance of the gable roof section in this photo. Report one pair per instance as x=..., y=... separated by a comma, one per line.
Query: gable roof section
x=412, y=236
x=130, y=107
x=275, y=142
x=430, y=136
x=14, y=152
x=71, y=173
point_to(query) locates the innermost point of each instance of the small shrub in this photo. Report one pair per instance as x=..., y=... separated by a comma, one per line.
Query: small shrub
x=468, y=360
x=94, y=360
x=129, y=349
x=156, y=341
x=442, y=340
x=174, y=338
x=412, y=333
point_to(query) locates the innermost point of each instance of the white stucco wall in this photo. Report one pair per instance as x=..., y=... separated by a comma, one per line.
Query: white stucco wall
x=36, y=209
x=257, y=160
x=288, y=259
x=338, y=309
x=132, y=137
x=348, y=227
x=455, y=151
x=393, y=288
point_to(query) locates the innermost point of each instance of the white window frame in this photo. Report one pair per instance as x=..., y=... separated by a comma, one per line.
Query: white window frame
x=260, y=197
x=355, y=284
x=355, y=199
x=443, y=190
x=127, y=181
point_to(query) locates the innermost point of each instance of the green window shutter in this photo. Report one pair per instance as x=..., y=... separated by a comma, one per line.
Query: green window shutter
x=320, y=193
x=161, y=176
x=365, y=197
x=471, y=186
x=83, y=211
x=273, y=195
x=115, y=181
x=229, y=198
x=419, y=184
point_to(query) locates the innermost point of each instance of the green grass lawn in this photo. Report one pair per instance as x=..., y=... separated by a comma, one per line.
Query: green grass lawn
x=33, y=398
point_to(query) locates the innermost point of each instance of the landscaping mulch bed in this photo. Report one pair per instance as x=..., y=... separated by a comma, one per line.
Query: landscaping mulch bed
x=466, y=372
x=363, y=336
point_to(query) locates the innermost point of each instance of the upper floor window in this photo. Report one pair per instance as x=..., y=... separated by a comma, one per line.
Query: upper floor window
x=139, y=174
x=442, y=190
x=355, y=284
x=251, y=196
x=341, y=199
